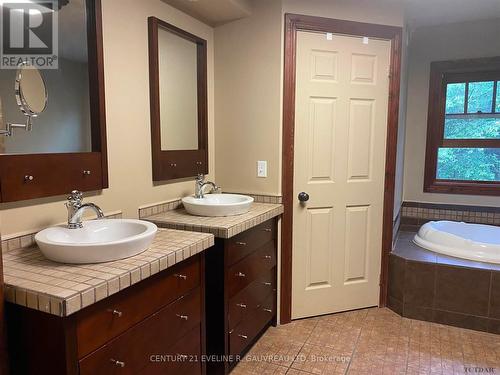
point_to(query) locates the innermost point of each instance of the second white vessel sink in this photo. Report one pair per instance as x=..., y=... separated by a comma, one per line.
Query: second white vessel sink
x=98, y=241
x=218, y=204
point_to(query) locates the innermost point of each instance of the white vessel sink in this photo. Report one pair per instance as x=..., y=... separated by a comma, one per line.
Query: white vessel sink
x=98, y=241
x=218, y=204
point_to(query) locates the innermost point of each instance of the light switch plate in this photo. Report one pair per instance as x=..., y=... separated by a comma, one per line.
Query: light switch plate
x=262, y=168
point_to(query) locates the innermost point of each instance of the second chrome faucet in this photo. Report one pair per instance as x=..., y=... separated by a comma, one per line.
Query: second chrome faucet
x=200, y=184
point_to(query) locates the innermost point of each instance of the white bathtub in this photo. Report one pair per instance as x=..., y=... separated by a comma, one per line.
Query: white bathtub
x=469, y=241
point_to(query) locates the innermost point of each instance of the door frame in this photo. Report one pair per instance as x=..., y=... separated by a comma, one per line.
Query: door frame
x=293, y=24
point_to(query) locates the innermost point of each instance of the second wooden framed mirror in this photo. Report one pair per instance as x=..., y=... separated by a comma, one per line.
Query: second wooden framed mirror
x=178, y=101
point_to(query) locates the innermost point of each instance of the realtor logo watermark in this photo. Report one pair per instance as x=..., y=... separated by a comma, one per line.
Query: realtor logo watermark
x=28, y=34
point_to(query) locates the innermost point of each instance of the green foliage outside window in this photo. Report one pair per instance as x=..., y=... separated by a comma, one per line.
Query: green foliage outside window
x=471, y=164
x=480, y=98
x=472, y=128
x=455, y=98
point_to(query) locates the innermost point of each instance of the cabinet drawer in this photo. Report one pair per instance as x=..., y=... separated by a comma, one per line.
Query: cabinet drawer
x=245, y=243
x=134, y=348
x=103, y=321
x=250, y=268
x=250, y=297
x=248, y=329
x=267, y=309
x=184, y=357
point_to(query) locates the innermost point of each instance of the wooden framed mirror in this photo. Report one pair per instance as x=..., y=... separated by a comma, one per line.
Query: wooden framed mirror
x=64, y=147
x=178, y=101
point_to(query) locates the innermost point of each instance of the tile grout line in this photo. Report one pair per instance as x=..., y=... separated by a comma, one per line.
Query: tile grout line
x=355, y=347
x=408, y=348
x=302, y=346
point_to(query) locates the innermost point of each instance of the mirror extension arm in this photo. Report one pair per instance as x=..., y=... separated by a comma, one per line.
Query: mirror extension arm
x=9, y=127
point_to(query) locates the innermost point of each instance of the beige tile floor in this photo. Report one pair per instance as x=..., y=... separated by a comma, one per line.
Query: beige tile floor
x=371, y=341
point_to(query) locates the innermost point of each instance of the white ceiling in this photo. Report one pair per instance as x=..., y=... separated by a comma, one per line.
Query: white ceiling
x=214, y=12
x=421, y=13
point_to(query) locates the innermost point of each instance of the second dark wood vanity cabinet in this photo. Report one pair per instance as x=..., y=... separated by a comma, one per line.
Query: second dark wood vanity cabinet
x=240, y=294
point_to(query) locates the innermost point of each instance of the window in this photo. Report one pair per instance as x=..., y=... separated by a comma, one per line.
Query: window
x=463, y=128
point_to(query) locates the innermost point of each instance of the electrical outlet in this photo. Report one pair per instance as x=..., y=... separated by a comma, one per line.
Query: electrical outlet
x=262, y=168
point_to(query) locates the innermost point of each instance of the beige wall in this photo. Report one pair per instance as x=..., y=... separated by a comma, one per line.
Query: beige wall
x=127, y=113
x=445, y=42
x=248, y=89
x=248, y=100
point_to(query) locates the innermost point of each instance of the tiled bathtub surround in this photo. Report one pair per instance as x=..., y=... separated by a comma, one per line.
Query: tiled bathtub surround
x=62, y=289
x=438, y=288
x=417, y=213
x=222, y=227
x=28, y=239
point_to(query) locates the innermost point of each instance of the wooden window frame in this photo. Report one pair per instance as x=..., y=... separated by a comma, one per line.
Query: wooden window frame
x=442, y=73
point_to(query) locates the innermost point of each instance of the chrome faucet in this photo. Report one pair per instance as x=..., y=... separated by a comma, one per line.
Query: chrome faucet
x=76, y=209
x=200, y=184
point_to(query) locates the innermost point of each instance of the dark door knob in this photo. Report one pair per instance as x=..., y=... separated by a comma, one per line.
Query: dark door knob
x=303, y=197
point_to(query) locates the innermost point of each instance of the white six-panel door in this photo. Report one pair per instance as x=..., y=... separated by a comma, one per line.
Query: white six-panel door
x=342, y=88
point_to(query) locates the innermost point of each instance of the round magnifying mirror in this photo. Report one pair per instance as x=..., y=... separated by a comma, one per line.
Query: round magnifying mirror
x=31, y=92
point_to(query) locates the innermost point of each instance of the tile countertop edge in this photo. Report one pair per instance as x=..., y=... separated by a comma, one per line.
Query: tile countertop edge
x=23, y=292
x=181, y=220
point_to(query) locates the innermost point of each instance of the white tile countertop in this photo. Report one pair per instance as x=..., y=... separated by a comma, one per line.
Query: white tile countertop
x=222, y=227
x=33, y=281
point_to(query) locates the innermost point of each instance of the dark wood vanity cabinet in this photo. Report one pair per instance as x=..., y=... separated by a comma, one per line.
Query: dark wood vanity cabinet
x=154, y=327
x=240, y=294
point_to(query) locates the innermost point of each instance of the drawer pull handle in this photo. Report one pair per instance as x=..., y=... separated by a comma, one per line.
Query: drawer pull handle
x=242, y=305
x=241, y=274
x=241, y=243
x=179, y=276
x=267, y=257
x=118, y=363
x=243, y=336
x=117, y=313
x=28, y=178
x=183, y=317
x=268, y=230
x=86, y=172
x=266, y=283
x=268, y=310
